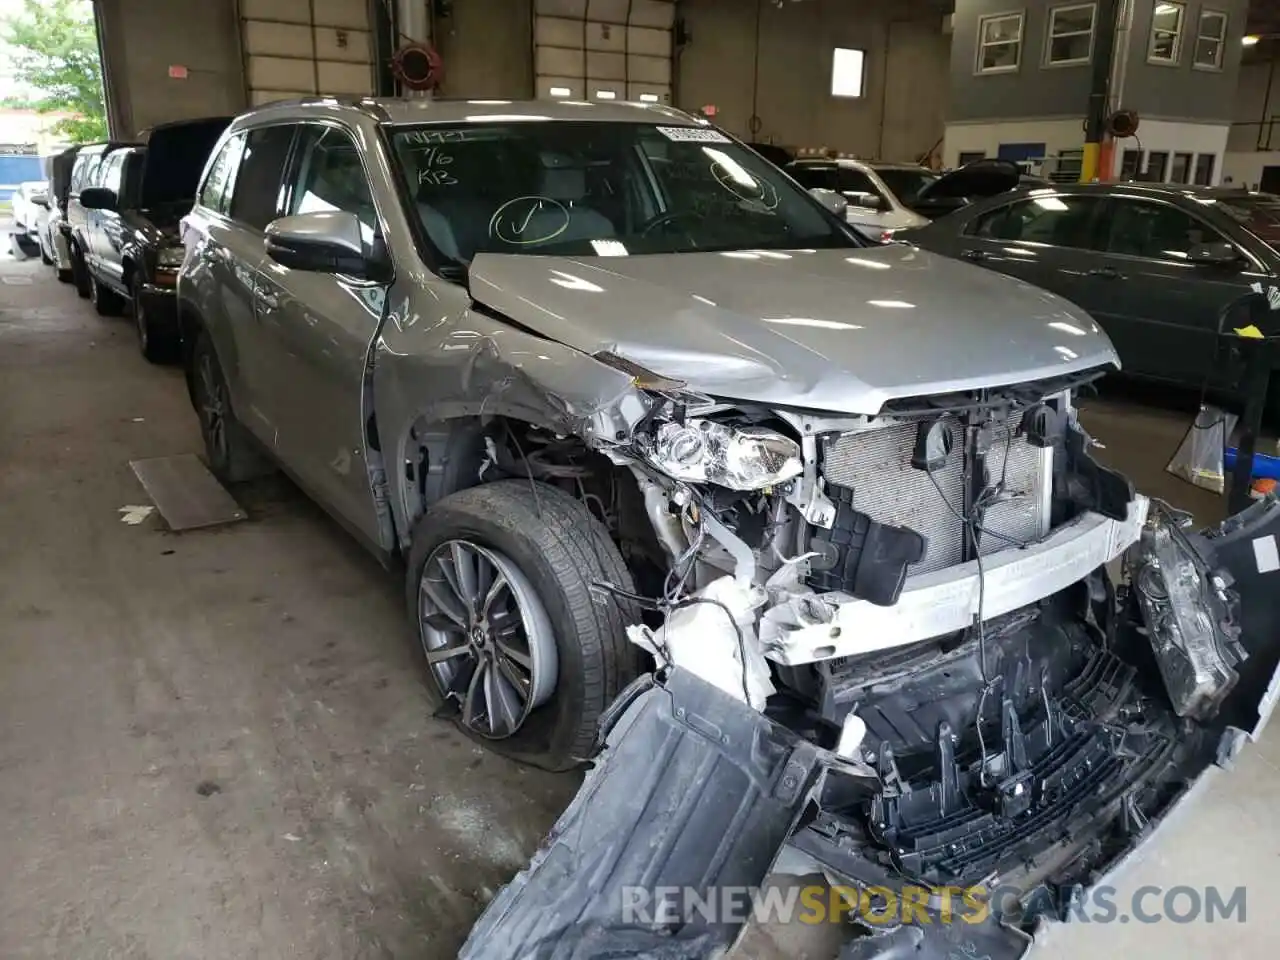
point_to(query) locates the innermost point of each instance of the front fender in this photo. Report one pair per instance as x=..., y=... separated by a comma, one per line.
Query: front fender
x=430, y=376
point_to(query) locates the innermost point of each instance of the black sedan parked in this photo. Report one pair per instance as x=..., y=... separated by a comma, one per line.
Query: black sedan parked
x=1155, y=265
x=133, y=206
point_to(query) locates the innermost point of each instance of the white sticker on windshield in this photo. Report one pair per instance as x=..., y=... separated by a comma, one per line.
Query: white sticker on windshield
x=693, y=135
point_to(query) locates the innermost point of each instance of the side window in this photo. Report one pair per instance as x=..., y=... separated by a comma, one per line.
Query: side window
x=255, y=198
x=855, y=181
x=811, y=176
x=77, y=174
x=1156, y=231
x=1055, y=221
x=111, y=171
x=214, y=193
x=330, y=176
x=90, y=170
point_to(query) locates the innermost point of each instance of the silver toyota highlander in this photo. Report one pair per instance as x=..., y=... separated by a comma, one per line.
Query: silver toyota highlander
x=804, y=530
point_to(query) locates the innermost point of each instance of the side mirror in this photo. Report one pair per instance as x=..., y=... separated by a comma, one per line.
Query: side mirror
x=98, y=198
x=1218, y=254
x=324, y=242
x=836, y=202
x=868, y=201
x=40, y=200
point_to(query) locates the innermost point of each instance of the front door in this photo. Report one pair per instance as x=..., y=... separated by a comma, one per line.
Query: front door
x=321, y=327
x=1161, y=310
x=1044, y=240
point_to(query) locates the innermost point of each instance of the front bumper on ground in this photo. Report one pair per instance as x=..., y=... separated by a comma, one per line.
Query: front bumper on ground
x=696, y=793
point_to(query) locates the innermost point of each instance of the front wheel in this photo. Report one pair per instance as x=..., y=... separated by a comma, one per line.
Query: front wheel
x=158, y=345
x=106, y=302
x=514, y=643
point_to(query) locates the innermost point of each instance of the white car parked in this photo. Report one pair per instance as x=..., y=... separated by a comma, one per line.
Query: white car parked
x=878, y=193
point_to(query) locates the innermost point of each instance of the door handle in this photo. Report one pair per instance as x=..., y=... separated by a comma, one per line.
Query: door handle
x=1107, y=273
x=975, y=256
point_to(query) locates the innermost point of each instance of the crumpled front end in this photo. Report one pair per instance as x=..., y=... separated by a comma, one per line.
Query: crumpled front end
x=1032, y=760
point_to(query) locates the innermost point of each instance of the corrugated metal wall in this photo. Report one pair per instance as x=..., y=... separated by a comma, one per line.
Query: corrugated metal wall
x=298, y=48
x=603, y=49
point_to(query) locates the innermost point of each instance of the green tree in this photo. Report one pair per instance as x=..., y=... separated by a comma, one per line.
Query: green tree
x=54, y=50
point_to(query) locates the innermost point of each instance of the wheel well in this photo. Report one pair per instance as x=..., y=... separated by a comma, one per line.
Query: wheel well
x=443, y=458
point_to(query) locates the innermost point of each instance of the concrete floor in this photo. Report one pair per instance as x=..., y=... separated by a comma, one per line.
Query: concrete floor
x=214, y=744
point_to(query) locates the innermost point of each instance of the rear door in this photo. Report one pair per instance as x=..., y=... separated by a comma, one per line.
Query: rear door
x=317, y=328
x=1162, y=310
x=107, y=228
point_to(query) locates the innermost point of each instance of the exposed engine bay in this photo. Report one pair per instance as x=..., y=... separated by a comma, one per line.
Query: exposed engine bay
x=950, y=686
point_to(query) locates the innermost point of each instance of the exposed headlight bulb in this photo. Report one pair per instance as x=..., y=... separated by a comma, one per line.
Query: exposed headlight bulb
x=740, y=458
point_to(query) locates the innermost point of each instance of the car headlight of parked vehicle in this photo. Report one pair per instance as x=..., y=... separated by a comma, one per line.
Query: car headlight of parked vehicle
x=170, y=258
x=740, y=458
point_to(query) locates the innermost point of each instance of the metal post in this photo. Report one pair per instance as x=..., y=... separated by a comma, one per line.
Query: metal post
x=1096, y=120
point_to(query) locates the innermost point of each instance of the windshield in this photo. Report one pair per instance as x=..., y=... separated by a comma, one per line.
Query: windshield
x=1258, y=212
x=604, y=189
x=906, y=184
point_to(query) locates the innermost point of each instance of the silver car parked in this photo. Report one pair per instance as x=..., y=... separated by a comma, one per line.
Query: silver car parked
x=620, y=393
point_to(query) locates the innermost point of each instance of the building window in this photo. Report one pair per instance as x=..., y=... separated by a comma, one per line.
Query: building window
x=1070, y=34
x=1166, y=32
x=1181, y=171
x=970, y=156
x=1204, y=168
x=1069, y=167
x=847, y=72
x=1157, y=163
x=1130, y=164
x=1000, y=43
x=1210, y=38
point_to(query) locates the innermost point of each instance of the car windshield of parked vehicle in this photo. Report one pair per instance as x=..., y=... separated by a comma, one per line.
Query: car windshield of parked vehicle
x=601, y=189
x=905, y=184
x=1257, y=212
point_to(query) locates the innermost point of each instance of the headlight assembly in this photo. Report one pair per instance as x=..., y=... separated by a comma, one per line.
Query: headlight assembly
x=740, y=458
x=171, y=257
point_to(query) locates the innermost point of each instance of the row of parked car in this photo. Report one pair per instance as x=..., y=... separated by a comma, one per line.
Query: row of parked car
x=108, y=223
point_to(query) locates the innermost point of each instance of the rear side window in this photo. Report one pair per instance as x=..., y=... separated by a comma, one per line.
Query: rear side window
x=111, y=171
x=80, y=170
x=215, y=193
x=814, y=177
x=1054, y=221
x=256, y=193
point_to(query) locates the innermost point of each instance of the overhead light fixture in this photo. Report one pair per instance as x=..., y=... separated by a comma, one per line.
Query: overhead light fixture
x=648, y=98
x=1250, y=39
x=606, y=95
x=561, y=91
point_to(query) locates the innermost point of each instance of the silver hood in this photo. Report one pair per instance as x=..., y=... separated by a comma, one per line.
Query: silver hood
x=838, y=330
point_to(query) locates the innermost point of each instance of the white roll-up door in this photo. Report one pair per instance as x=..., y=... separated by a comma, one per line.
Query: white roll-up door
x=299, y=48
x=603, y=49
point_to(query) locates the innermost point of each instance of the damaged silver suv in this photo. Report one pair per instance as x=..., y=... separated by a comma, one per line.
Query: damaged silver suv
x=628, y=402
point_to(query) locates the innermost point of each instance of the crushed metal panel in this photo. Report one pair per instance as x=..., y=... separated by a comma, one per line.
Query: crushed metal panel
x=695, y=792
x=187, y=495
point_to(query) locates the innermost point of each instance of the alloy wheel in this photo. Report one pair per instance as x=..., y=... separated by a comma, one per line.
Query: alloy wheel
x=213, y=408
x=487, y=637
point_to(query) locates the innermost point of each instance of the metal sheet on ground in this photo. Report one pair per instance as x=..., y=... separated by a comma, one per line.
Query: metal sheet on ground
x=187, y=495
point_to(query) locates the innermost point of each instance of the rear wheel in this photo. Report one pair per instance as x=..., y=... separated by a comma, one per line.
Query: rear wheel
x=157, y=344
x=514, y=643
x=232, y=453
x=45, y=258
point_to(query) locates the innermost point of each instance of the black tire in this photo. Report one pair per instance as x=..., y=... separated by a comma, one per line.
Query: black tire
x=553, y=539
x=80, y=275
x=157, y=344
x=65, y=275
x=45, y=258
x=106, y=302
x=232, y=453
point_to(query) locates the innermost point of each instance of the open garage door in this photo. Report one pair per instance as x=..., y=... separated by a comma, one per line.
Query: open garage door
x=603, y=49
x=299, y=48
